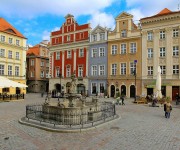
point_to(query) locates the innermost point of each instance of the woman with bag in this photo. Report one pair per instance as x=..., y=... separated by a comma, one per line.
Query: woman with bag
x=168, y=109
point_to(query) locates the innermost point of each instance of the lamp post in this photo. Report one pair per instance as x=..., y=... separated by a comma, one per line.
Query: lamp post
x=60, y=76
x=135, y=62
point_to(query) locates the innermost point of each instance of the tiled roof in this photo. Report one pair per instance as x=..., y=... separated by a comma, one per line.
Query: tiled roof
x=165, y=11
x=33, y=50
x=8, y=28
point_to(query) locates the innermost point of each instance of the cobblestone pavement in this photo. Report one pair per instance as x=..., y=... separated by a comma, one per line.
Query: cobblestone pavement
x=140, y=128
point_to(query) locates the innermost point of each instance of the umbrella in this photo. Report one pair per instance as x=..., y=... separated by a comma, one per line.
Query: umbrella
x=158, y=83
x=5, y=83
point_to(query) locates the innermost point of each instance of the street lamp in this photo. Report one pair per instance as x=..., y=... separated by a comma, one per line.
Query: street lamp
x=135, y=62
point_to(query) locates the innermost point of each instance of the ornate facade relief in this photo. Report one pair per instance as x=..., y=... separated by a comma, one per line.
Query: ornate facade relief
x=162, y=61
x=175, y=60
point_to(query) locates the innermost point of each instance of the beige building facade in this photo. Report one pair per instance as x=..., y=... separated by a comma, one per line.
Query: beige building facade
x=124, y=58
x=160, y=47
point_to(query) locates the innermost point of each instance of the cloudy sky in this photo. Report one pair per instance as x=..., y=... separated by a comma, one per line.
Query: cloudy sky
x=35, y=19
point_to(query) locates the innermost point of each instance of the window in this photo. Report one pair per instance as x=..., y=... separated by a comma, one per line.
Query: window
x=9, y=54
x=57, y=71
x=163, y=69
x=101, y=70
x=150, y=52
x=2, y=52
x=42, y=63
x=81, y=52
x=133, y=47
x=57, y=55
x=42, y=74
x=94, y=71
x=114, y=49
x=2, y=38
x=175, y=32
x=175, y=69
x=17, y=55
x=123, y=68
x=114, y=69
x=101, y=51
x=17, y=42
x=94, y=37
x=16, y=71
x=32, y=62
x=94, y=88
x=102, y=36
x=123, y=33
x=47, y=74
x=68, y=54
x=101, y=87
x=68, y=71
x=68, y=38
x=162, y=52
x=5, y=90
x=80, y=71
x=32, y=74
x=132, y=68
x=123, y=48
x=94, y=52
x=175, y=50
x=10, y=40
x=1, y=69
x=149, y=36
x=9, y=70
x=162, y=35
x=150, y=70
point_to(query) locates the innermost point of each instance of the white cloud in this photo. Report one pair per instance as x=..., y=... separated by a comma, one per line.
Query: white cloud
x=46, y=35
x=103, y=19
x=32, y=8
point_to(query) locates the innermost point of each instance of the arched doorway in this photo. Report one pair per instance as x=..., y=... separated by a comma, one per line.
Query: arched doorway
x=18, y=90
x=123, y=90
x=132, y=91
x=112, y=90
x=81, y=88
x=58, y=87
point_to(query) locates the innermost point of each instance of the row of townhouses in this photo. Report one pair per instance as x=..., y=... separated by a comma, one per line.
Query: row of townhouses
x=104, y=61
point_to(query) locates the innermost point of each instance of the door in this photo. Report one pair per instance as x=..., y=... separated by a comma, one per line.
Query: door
x=132, y=91
x=149, y=91
x=175, y=89
x=112, y=90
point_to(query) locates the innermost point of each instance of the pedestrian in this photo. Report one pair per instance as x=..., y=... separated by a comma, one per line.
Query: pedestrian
x=168, y=109
x=177, y=98
x=122, y=98
x=165, y=109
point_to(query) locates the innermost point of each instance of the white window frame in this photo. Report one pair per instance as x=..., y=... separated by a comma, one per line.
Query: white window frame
x=42, y=63
x=150, y=70
x=175, y=69
x=17, y=42
x=124, y=33
x=42, y=74
x=81, y=52
x=10, y=40
x=123, y=48
x=10, y=70
x=93, y=84
x=101, y=85
x=68, y=71
x=57, y=55
x=102, y=36
x=94, y=52
x=32, y=73
x=2, y=52
x=10, y=54
x=16, y=70
x=57, y=71
x=1, y=69
x=68, y=38
x=163, y=69
x=175, y=32
x=94, y=37
x=94, y=70
x=175, y=50
x=162, y=51
x=69, y=54
x=133, y=47
x=3, y=38
x=162, y=34
x=132, y=67
x=150, y=36
x=101, y=51
x=150, y=52
x=32, y=62
x=113, y=69
x=17, y=55
x=123, y=68
x=113, y=49
x=47, y=74
x=101, y=70
x=80, y=71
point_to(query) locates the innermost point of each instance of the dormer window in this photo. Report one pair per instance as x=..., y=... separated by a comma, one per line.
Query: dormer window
x=123, y=33
x=102, y=36
x=94, y=37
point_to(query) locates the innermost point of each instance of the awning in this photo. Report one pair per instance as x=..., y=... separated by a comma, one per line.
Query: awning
x=6, y=83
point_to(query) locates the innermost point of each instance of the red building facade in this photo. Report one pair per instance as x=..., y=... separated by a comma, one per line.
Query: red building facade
x=68, y=55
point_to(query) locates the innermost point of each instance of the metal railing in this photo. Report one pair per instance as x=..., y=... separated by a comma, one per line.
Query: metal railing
x=5, y=97
x=69, y=118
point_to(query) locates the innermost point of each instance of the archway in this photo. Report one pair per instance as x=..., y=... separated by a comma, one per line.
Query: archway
x=132, y=91
x=112, y=90
x=123, y=90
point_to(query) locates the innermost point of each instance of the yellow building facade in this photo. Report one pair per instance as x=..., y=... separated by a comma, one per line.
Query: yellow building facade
x=12, y=56
x=160, y=47
x=124, y=58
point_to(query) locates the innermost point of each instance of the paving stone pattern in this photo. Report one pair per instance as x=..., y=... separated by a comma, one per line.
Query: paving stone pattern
x=140, y=128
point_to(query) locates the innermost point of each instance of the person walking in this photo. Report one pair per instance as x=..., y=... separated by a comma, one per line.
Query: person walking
x=122, y=98
x=168, y=109
x=165, y=109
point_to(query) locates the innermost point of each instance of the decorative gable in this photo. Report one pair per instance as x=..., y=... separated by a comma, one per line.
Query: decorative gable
x=124, y=15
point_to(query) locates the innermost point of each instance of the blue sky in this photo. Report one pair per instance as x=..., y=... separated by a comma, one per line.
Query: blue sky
x=35, y=19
